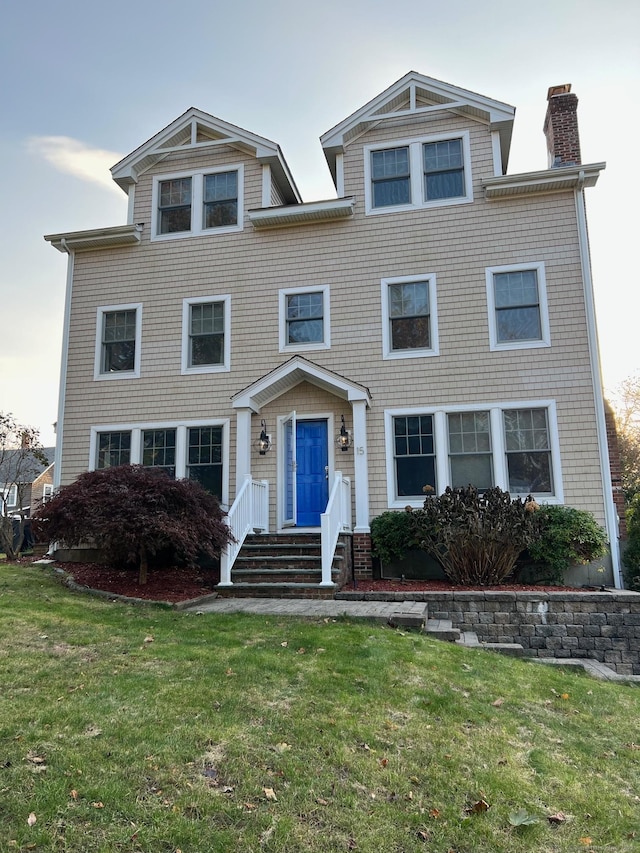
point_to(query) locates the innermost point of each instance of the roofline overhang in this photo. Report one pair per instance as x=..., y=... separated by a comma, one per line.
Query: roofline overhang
x=498, y=115
x=302, y=214
x=127, y=170
x=98, y=238
x=286, y=376
x=554, y=180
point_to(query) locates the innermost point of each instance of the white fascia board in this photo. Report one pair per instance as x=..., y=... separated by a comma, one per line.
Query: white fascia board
x=302, y=214
x=557, y=179
x=99, y=238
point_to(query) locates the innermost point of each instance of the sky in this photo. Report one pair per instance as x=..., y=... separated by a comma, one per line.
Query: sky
x=84, y=84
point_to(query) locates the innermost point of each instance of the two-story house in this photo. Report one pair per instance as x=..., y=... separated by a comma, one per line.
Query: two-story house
x=315, y=364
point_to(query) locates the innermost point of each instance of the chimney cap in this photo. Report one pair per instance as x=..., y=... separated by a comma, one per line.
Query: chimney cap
x=563, y=89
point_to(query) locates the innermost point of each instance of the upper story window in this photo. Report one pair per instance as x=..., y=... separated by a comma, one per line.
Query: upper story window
x=518, y=316
x=417, y=173
x=409, y=316
x=196, y=203
x=304, y=318
x=117, y=353
x=205, y=334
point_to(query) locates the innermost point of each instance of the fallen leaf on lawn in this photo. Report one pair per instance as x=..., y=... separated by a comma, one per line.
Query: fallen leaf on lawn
x=522, y=818
x=36, y=759
x=478, y=808
x=434, y=813
x=283, y=747
x=422, y=835
x=229, y=672
x=93, y=731
x=74, y=794
x=409, y=795
x=228, y=789
x=585, y=840
x=319, y=651
x=249, y=806
x=351, y=844
x=321, y=802
x=384, y=762
x=301, y=651
x=558, y=817
x=564, y=695
x=366, y=747
x=98, y=805
x=284, y=645
x=32, y=819
x=148, y=639
x=270, y=794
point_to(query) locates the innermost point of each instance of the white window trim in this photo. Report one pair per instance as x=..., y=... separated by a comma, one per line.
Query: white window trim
x=47, y=491
x=10, y=496
x=121, y=374
x=181, y=427
x=434, y=349
x=197, y=196
x=326, y=319
x=545, y=339
x=416, y=173
x=498, y=445
x=186, y=316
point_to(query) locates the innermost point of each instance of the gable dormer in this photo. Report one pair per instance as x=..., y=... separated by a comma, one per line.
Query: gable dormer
x=407, y=169
x=209, y=199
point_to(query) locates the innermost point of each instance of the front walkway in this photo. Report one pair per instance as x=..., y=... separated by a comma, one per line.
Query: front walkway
x=380, y=611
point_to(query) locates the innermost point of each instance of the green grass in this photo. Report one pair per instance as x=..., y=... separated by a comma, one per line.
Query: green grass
x=144, y=729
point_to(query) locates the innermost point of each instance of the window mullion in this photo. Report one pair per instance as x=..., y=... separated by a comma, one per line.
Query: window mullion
x=197, y=204
x=181, y=452
x=441, y=441
x=416, y=174
x=500, y=471
x=136, y=446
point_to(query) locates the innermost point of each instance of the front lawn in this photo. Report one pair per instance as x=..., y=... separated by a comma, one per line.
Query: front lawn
x=129, y=728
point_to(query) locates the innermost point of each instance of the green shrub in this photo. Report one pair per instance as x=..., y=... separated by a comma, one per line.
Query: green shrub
x=631, y=556
x=477, y=538
x=392, y=535
x=567, y=536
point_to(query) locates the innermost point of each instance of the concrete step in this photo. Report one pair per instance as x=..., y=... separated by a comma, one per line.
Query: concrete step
x=442, y=629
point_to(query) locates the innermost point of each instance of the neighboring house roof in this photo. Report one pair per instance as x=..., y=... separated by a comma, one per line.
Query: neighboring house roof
x=415, y=93
x=195, y=130
x=29, y=469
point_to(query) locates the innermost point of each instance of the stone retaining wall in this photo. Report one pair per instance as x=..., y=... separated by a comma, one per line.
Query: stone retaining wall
x=602, y=626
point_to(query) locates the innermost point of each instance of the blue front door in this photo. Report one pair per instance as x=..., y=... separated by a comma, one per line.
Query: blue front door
x=312, y=484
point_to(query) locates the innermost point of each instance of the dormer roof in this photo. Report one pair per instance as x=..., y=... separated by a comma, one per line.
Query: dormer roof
x=197, y=130
x=415, y=94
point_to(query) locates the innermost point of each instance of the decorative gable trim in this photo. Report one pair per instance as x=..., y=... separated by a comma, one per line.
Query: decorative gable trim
x=414, y=94
x=292, y=373
x=196, y=130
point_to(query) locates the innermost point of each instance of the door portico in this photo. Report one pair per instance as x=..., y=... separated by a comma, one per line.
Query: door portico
x=252, y=400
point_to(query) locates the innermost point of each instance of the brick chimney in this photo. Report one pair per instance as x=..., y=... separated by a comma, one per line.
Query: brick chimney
x=561, y=127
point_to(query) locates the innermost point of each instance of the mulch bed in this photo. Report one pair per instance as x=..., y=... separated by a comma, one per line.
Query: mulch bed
x=174, y=585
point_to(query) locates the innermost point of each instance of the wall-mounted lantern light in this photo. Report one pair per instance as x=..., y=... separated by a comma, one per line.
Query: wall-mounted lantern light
x=263, y=443
x=343, y=439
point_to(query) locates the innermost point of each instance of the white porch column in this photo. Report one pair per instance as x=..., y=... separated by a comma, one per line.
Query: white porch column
x=243, y=446
x=361, y=465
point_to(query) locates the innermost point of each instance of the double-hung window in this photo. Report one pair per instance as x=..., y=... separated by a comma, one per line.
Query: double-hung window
x=118, y=342
x=195, y=450
x=197, y=203
x=518, y=316
x=528, y=451
x=304, y=318
x=470, y=456
x=414, y=454
x=409, y=316
x=513, y=447
x=204, y=457
x=205, y=334
x=416, y=173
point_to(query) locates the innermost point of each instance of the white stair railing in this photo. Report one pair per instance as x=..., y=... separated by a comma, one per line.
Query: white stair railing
x=249, y=512
x=336, y=519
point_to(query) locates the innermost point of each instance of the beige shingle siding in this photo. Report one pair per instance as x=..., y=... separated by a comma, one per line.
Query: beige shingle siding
x=455, y=242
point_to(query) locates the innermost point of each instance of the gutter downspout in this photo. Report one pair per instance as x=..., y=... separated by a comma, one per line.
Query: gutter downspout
x=611, y=514
x=63, y=366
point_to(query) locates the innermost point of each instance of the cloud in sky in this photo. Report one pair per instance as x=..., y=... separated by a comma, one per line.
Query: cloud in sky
x=74, y=157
